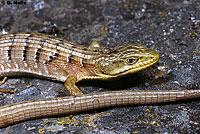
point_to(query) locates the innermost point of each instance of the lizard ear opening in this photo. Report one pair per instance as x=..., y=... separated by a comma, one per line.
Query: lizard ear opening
x=102, y=71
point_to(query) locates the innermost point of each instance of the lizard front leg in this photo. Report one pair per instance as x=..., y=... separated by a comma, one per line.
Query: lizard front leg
x=70, y=86
x=1, y=83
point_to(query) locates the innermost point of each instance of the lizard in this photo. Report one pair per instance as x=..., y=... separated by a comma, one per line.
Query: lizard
x=45, y=56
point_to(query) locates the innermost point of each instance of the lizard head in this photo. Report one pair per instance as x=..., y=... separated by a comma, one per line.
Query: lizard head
x=126, y=59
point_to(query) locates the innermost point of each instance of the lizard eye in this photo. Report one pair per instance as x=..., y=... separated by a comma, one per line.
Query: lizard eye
x=131, y=61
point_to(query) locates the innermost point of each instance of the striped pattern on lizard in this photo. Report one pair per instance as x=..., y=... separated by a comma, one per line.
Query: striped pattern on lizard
x=56, y=59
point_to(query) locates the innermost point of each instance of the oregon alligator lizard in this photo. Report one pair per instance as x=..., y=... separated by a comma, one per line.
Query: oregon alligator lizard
x=53, y=58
